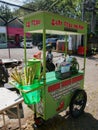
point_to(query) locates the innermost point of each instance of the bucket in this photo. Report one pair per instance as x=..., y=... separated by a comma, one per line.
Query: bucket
x=31, y=97
x=37, y=64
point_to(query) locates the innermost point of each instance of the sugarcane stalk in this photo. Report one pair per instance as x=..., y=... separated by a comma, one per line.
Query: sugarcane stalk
x=17, y=75
x=20, y=78
x=15, y=79
x=34, y=72
x=28, y=71
x=30, y=75
x=39, y=78
x=25, y=75
x=23, y=80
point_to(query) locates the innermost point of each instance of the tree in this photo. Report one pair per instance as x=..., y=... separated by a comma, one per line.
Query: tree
x=68, y=8
x=5, y=12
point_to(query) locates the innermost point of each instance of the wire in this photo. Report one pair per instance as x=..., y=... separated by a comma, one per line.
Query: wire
x=14, y=1
x=17, y=6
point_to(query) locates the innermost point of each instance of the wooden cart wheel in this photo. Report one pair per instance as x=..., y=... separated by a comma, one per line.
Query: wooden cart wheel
x=78, y=103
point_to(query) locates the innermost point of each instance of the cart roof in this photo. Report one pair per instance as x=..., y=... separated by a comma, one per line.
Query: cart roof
x=53, y=24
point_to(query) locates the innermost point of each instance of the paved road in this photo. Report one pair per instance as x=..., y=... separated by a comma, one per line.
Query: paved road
x=89, y=120
x=16, y=53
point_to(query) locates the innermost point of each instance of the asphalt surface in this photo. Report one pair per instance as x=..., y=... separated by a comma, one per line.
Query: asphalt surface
x=89, y=120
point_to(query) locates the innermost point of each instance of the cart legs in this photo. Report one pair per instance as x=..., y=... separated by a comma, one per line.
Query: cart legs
x=4, y=121
x=19, y=116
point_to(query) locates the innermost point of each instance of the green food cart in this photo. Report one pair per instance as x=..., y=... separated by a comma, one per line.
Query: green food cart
x=56, y=94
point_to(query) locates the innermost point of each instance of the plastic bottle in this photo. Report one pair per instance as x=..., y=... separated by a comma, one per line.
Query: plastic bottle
x=67, y=58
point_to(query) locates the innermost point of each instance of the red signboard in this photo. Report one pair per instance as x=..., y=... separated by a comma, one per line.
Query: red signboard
x=36, y=22
x=54, y=87
x=64, y=83
x=76, y=79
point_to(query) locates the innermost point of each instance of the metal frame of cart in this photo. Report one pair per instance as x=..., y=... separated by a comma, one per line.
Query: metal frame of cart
x=56, y=94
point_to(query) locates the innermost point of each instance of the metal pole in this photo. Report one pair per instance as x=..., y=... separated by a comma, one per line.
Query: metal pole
x=9, y=54
x=44, y=70
x=35, y=111
x=44, y=55
x=25, y=57
x=85, y=46
x=18, y=112
x=25, y=53
x=4, y=121
x=83, y=11
x=66, y=44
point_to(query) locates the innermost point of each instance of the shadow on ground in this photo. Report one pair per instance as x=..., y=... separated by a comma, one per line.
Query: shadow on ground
x=84, y=122
x=93, y=57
